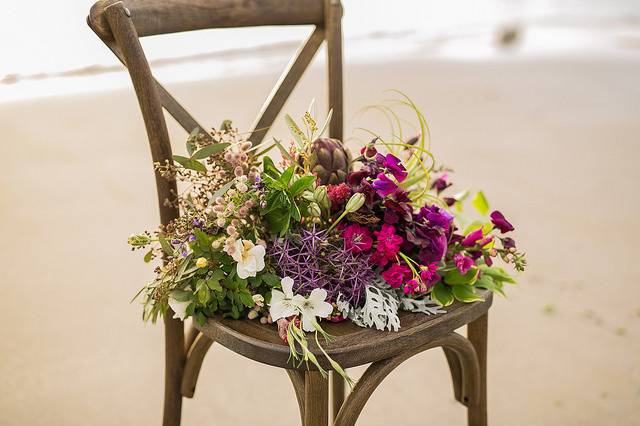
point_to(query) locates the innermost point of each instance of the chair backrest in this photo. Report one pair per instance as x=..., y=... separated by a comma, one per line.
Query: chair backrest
x=120, y=24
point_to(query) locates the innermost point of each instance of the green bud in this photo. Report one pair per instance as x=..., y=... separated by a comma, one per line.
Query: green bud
x=355, y=202
x=320, y=196
x=139, y=240
x=314, y=210
x=308, y=195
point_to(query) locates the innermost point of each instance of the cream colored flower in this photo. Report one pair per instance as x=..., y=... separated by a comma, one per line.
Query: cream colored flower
x=250, y=258
x=201, y=262
x=179, y=308
x=282, y=305
x=258, y=299
x=312, y=307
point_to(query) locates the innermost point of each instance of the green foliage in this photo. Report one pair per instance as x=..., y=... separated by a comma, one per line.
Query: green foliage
x=283, y=199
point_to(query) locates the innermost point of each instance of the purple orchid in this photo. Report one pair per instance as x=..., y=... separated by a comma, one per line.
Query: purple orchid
x=384, y=186
x=500, y=222
x=472, y=238
x=394, y=166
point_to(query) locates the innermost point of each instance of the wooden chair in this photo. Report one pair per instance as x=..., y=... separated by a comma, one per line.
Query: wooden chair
x=120, y=24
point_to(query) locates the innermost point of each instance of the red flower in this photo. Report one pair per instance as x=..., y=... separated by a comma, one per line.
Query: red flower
x=388, y=245
x=338, y=194
x=357, y=238
x=396, y=274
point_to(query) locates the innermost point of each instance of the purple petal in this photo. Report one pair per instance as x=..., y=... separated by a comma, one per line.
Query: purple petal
x=472, y=238
x=500, y=222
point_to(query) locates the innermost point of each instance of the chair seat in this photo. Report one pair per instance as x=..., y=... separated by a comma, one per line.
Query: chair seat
x=353, y=345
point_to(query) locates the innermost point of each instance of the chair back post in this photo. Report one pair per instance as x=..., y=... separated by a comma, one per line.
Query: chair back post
x=333, y=30
x=126, y=38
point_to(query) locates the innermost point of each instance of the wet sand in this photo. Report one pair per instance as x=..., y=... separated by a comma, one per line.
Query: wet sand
x=553, y=142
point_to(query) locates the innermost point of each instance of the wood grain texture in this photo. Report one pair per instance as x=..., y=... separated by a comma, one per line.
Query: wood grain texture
x=333, y=26
x=456, y=372
x=195, y=356
x=379, y=370
x=146, y=90
x=477, y=333
x=316, y=399
x=152, y=17
x=285, y=85
x=297, y=380
x=352, y=345
x=337, y=393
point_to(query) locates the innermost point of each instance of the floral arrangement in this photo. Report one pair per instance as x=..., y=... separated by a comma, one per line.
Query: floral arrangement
x=323, y=236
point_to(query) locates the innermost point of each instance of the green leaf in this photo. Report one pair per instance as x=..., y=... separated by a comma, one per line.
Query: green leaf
x=270, y=168
x=442, y=294
x=480, y=202
x=454, y=277
x=498, y=274
x=191, y=140
x=485, y=281
x=301, y=185
x=166, y=246
x=180, y=295
x=465, y=293
x=286, y=176
x=222, y=190
x=189, y=163
x=148, y=256
x=210, y=150
x=246, y=299
x=271, y=279
x=200, y=318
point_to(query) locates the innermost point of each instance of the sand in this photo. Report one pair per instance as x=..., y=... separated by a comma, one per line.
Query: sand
x=552, y=141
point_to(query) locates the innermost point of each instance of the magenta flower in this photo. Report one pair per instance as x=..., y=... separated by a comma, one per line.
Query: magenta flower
x=428, y=273
x=357, y=238
x=384, y=186
x=472, y=238
x=395, y=167
x=388, y=245
x=395, y=275
x=463, y=263
x=412, y=286
x=500, y=222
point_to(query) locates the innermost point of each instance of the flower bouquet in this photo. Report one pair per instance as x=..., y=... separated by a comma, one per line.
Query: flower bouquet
x=322, y=236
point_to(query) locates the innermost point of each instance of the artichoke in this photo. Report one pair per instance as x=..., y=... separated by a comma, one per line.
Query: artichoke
x=329, y=161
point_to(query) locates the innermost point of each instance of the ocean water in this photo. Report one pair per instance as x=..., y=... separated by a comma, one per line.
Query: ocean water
x=68, y=58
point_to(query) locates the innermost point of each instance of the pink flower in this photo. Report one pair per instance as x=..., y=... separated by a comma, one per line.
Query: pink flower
x=463, y=263
x=472, y=238
x=500, y=222
x=412, y=286
x=388, y=245
x=428, y=273
x=338, y=194
x=396, y=274
x=357, y=238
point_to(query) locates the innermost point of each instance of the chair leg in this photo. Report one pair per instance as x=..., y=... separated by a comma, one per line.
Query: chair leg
x=477, y=335
x=174, y=366
x=316, y=399
x=337, y=393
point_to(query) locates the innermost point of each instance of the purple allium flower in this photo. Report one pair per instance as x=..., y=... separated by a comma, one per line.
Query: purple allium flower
x=312, y=261
x=463, y=263
x=394, y=166
x=472, y=238
x=197, y=223
x=384, y=186
x=500, y=222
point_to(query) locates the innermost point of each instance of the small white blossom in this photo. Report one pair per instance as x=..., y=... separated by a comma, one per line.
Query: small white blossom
x=282, y=305
x=179, y=308
x=258, y=299
x=312, y=307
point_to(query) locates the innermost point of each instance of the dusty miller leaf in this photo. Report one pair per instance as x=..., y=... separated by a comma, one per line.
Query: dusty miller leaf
x=424, y=306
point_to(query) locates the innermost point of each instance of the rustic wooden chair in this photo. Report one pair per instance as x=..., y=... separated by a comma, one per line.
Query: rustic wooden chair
x=120, y=24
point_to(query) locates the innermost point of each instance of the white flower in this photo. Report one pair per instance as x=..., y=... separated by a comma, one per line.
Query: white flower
x=179, y=308
x=250, y=258
x=312, y=307
x=282, y=305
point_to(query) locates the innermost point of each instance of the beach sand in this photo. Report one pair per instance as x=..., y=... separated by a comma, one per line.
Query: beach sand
x=552, y=141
